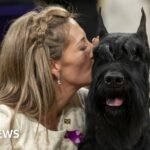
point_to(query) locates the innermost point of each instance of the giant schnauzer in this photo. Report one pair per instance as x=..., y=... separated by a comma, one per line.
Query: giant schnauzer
x=117, y=111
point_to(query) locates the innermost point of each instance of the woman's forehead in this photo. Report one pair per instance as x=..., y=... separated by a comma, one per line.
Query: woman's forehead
x=72, y=21
x=75, y=30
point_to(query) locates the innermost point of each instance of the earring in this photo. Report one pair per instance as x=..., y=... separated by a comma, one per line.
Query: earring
x=58, y=80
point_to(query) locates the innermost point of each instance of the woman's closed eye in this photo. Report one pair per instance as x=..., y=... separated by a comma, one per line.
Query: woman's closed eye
x=83, y=48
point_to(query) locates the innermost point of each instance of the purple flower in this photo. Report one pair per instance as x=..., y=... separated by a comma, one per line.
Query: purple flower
x=75, y=136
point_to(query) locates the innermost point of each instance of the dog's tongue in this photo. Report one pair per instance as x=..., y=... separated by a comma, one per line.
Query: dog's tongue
x=114, y=102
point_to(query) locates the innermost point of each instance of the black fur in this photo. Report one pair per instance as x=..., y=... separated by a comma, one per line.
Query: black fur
x=117, y=111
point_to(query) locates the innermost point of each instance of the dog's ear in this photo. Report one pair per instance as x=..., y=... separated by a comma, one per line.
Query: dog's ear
x=101, y=28
x=141, y=32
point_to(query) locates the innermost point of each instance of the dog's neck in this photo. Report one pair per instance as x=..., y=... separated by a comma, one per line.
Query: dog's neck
x=119, y=135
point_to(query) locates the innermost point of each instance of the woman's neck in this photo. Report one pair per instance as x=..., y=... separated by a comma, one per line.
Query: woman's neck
x=64, y=94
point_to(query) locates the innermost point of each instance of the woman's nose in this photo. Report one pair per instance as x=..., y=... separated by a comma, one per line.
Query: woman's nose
x=91, y=50
x=94, y=43
x=95, y=40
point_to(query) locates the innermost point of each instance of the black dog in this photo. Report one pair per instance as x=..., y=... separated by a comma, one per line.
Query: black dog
x=117, y=111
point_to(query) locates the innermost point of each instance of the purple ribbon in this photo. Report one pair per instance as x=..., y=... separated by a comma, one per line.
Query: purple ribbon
x=75, y=136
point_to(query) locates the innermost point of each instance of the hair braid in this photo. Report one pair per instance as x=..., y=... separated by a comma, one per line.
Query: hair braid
x=30, y=43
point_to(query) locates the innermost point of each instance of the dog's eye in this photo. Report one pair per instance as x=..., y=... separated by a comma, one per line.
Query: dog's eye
x=133, y=51
x=136, y=53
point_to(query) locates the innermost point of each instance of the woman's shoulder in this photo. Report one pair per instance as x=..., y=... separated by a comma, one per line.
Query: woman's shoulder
x=5, y=110
x=82, y=94
x=29, y=131
x=78, y=100
x=73, y=117
x=6, y=116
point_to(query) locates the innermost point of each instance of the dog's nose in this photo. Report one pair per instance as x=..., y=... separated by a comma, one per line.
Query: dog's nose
x=114, y=78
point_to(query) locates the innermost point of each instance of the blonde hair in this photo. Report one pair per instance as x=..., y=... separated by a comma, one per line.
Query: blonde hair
x=26, y=81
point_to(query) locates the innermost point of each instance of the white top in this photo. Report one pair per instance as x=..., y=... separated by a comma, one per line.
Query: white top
x=72, y=118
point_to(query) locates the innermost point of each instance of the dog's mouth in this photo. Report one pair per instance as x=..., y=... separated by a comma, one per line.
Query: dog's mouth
x=114, y=98
x=114, y=102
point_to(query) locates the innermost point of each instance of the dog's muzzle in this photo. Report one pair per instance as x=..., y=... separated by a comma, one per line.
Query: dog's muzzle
x=114, y=79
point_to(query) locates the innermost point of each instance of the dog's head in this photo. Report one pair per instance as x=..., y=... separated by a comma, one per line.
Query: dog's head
x=120, y=73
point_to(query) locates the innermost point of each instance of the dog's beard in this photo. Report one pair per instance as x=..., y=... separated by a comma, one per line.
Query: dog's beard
x=121, y=113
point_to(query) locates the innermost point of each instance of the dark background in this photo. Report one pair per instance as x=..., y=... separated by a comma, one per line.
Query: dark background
x=88, y=19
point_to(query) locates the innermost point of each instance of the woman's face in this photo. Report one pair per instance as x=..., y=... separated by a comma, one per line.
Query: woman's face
x=77, y=59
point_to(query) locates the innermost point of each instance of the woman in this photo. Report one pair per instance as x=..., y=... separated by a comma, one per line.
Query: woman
x=45, y=60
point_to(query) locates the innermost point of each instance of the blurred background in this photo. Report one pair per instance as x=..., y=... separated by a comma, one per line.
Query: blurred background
x=87, y=9
x=118, y=15
x=11, y=9
x=125, y=15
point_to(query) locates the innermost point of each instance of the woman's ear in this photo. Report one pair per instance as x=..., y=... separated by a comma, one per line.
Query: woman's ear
x=55, y=67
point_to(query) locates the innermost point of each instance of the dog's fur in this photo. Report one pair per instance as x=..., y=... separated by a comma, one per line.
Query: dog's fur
x=117, y=111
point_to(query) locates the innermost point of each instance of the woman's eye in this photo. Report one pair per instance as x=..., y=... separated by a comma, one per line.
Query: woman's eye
x=83, y=48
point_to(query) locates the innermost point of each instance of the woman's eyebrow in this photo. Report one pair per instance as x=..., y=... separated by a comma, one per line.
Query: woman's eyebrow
x=81, y=40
